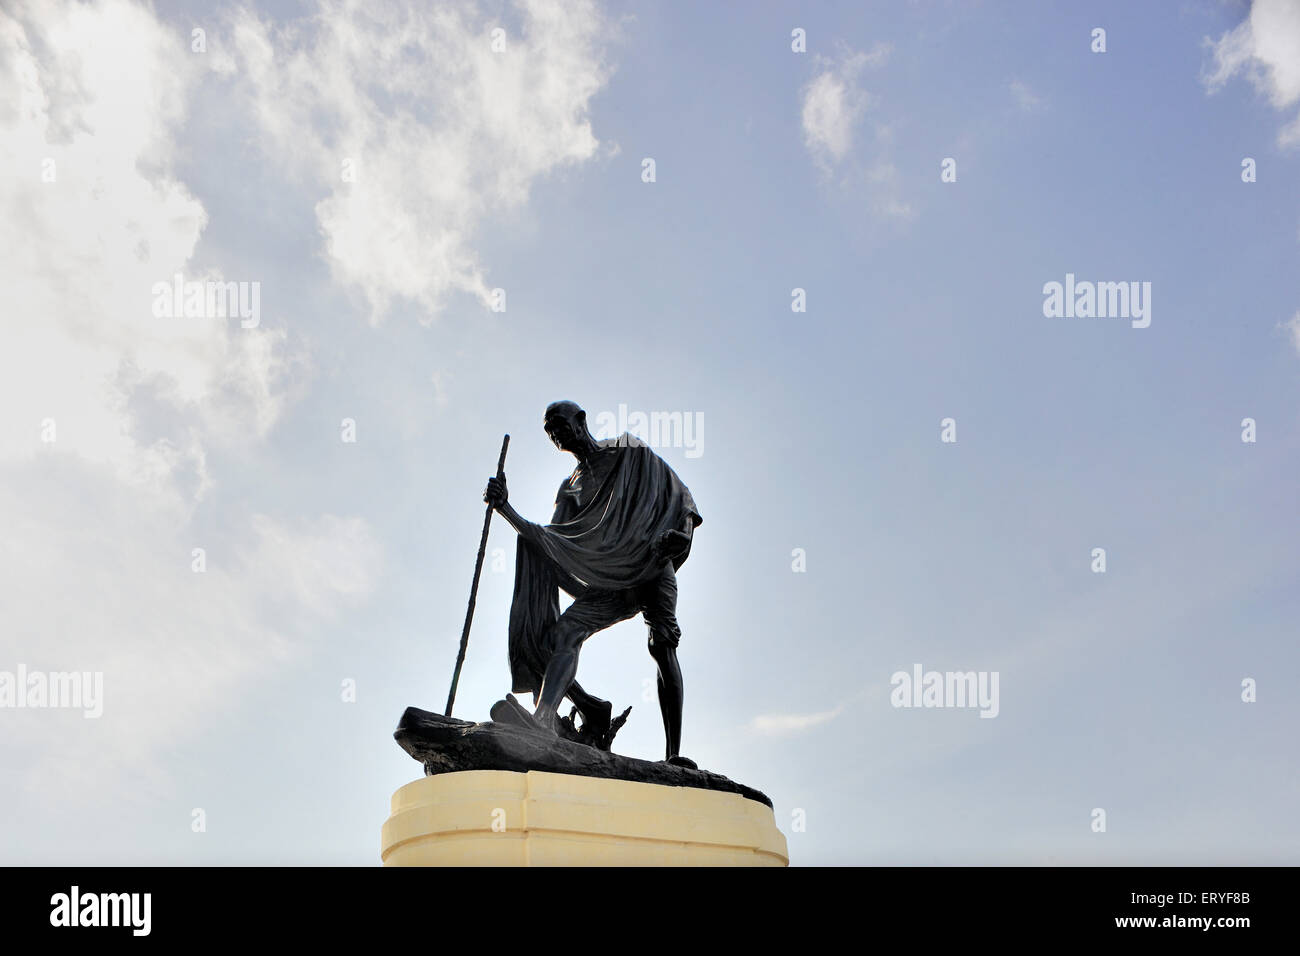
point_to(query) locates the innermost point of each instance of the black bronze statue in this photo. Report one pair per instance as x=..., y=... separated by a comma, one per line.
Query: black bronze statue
x=622, y=528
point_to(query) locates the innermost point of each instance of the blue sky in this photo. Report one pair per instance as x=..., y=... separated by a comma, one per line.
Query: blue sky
x=330, y=561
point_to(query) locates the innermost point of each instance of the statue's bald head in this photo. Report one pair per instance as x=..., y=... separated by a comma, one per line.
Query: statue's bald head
x=566, y=424
x=566, y=409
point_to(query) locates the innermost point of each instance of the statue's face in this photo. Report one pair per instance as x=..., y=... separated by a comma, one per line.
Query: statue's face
x=563, y=432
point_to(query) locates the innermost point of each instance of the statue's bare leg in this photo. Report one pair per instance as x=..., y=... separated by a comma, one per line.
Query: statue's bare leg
x=659, y=607
x=671, y=694
x=590, y=612
x=566, y=638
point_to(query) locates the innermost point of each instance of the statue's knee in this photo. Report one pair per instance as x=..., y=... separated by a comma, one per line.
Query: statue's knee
x=663, y=641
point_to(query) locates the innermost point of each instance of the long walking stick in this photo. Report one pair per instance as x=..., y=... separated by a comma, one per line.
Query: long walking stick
x=473, y=588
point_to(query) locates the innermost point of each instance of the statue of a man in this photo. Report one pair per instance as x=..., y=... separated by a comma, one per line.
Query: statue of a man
x=622, y=527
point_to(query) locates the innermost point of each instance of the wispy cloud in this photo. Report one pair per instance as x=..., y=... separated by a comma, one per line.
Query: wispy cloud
x=833, y=104
x=792, y=723
x=1026, y=99
x=1293, y=327
x=833, y=108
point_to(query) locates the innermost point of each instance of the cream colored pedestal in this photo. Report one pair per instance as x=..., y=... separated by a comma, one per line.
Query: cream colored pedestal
x=502, y=818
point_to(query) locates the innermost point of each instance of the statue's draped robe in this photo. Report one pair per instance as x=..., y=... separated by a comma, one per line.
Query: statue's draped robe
x=606, y=546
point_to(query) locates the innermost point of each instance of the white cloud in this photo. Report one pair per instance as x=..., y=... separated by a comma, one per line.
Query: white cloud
x=1266, y=47
x=1293, y=327
x=793, y=723
x=834, y=106
x=444, y=133
x=96, y=554
x=108, y=585
x=1026, y=99
x=98, y=91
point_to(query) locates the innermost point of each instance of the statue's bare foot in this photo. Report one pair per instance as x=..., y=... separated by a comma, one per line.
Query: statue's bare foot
x=680, y=761
x=545, y=723
x=510, y=711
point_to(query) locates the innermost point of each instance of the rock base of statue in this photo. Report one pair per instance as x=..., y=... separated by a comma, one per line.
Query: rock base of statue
x=512, y=818
x=447, y=745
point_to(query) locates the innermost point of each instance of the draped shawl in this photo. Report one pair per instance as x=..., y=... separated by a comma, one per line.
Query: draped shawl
x=607, y=545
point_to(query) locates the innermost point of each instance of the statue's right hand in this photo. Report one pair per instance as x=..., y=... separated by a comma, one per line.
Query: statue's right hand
x=496, y=493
